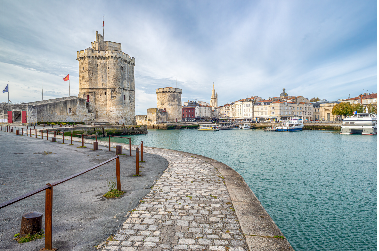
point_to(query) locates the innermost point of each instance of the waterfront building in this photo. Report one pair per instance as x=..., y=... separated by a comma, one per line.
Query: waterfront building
x=188, y=113
x=363, y=99
x=203, y=112
x=326, y=111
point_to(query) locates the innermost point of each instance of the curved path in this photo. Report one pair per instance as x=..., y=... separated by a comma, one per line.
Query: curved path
x=199, y=204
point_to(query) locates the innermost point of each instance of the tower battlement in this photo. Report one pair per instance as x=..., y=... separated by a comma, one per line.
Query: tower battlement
x=169, y=90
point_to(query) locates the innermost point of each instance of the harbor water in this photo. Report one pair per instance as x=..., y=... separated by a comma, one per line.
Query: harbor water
x=319, y=187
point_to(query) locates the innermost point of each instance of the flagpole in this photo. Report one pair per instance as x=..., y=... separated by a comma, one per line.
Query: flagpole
x=69, y=87
x=8, y=92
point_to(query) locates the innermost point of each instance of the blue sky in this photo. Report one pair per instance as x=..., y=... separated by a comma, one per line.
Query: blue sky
x=321, y=48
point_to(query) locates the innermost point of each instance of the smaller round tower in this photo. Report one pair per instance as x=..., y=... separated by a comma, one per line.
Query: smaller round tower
x=170, y=100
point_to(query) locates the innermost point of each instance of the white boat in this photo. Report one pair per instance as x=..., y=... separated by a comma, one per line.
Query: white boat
x=360, y=123
x=208, y=127
x=245, y=126
x=291, y=125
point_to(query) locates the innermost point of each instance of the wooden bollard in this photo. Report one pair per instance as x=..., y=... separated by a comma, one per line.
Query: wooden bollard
x=82, y=140
x=53, y=139
x=22, y=131
x=118, y=174
x=30, y=132
x=63, y=137
x=130, y=146
x=137, y=161
x=118, y=150
x=42, y=134
x=31, y=223
x=142, y=151
x=55, y=134
x=47, y=134
x=49, y=217
x=95, y=146
x=71, y=137
x=36, y=132
x=17, y=132
x=109, y=143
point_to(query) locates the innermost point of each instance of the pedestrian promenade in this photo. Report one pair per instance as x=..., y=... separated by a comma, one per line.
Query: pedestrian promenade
x=196, y=204
x=191, y=207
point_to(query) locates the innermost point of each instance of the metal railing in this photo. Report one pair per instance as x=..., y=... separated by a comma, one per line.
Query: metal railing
x=49, y=197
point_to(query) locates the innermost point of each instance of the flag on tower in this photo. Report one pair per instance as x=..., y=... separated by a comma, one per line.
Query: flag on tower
x=67, y=77
x=6, y=89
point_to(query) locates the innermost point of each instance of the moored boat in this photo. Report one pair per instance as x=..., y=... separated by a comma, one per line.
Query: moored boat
x=291, y=125
x=245, y=126
x=360, y=123
x=208, y=127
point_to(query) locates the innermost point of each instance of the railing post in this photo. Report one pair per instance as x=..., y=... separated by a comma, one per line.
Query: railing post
x=42, y=134
x=55, y=134
x=82, y=140
x=109, y=143
x=30, y=132
x=118, y=173
x=142, y=151
x=130, y=146
x=47, y=134
x=48, y=217
x=137, y=161
x=71, y=137
x=22, y=131
x=36, y=132
x=63, y=136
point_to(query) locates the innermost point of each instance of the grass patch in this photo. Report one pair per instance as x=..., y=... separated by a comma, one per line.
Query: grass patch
x=114, y=193
x=81, y=147
x=135, y=175
x=29, y=237
x=143, y=161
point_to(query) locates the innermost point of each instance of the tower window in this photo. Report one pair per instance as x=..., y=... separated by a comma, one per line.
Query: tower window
x=87, y=98
x=83, y=68
x=124, y=97
x=105, y=93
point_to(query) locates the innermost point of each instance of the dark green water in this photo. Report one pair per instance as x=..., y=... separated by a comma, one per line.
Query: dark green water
x=319, y=187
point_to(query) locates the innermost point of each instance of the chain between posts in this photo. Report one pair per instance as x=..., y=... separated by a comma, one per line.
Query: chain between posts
x=49, y=198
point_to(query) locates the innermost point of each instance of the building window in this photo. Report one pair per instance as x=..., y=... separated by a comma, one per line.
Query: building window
x=124, y=97
x=105, y=93
x=69, y=110
x=87, y=99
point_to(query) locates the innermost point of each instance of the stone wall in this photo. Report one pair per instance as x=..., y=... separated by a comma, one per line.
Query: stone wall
x=170, y=100
x=141, y=119
x=70, y=109
x=106, y=80
x=156, y=116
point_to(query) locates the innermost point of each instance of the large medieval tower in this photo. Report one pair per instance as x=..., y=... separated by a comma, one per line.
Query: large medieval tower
x=106, y=80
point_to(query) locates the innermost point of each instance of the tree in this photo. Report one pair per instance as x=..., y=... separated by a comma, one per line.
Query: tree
x=342, y=109
x=372, y=108
x=357, y=107
x=314, y=99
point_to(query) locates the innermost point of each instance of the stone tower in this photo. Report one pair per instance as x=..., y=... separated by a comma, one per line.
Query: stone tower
x=170, y=99
x=106, y=81
x=214, y=98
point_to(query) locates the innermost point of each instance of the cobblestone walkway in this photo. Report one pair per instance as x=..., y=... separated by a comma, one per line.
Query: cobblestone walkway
x=188, y=208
